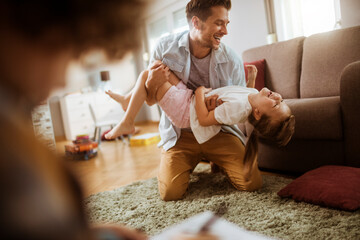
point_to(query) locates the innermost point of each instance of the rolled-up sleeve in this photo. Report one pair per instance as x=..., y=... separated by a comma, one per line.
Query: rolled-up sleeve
x=156, y=53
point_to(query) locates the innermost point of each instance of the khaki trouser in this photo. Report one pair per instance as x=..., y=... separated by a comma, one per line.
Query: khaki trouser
x=225, y=150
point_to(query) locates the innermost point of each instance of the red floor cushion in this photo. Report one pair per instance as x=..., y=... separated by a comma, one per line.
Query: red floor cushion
x=329, y=186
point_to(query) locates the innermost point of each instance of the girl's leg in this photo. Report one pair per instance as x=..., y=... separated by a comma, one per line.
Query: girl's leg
x=173, y=80
x=153, y=97
x=138, y=96
x=125, y=99
x=122, y=99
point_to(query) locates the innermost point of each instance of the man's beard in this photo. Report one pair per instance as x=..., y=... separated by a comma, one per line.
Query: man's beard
x=208, y=43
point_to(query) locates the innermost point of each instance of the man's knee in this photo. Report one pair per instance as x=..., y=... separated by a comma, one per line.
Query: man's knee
x=249, y=185
x=171, y=192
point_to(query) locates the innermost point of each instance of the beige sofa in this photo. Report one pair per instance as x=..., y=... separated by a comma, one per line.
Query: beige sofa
x=319, y=77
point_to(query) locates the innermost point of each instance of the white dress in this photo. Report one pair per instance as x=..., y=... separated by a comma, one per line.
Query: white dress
x=235, y=109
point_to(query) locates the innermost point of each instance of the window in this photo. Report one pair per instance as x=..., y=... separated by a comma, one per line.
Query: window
x=157, y=29
x=296, y=18
x=170, y=22
x=180, y=21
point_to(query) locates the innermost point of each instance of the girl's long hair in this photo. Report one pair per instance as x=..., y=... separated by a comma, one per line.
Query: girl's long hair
x=279, y=133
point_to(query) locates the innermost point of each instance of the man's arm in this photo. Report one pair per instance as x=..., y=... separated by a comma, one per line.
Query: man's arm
x=205, y=117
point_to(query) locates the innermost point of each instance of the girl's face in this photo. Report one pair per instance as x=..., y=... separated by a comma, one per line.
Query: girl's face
x=271, y=104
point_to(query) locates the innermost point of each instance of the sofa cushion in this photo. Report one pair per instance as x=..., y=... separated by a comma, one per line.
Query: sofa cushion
x=260, y=77
x=329, y=186
x=324, y=57
x=283, y=65
x=317, y=118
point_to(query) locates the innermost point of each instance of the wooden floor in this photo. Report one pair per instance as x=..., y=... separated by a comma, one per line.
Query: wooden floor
x=118, y=164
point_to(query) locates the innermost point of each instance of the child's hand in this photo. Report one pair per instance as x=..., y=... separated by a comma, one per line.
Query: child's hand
x=252, y=71
x=212, y=102
x=202, y=90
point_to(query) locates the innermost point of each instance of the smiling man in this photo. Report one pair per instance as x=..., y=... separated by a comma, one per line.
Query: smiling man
x=199, y=58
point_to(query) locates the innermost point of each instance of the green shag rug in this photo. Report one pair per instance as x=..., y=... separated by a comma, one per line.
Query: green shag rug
x=139, y=205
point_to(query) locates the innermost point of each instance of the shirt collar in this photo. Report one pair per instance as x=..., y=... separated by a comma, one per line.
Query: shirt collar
x=184, y=41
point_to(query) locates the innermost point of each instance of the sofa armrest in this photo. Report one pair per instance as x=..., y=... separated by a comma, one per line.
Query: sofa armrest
x=350, y=107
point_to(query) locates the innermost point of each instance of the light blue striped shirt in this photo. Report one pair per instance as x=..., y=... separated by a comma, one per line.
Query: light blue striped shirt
x=226, y=68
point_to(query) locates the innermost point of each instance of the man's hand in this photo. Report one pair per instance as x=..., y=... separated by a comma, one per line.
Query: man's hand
x=156, y=64
x=212, y=102
x=158, y=75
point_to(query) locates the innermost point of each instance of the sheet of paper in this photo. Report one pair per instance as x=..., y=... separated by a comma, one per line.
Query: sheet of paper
x=222, y=228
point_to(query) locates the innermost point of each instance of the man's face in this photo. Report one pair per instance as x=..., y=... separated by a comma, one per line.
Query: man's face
x=214, y=28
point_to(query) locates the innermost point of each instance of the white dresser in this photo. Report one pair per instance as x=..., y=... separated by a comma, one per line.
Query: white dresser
x=76, y=114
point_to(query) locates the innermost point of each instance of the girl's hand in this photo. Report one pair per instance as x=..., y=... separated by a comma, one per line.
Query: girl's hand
x=251, y=75
x=212, y=102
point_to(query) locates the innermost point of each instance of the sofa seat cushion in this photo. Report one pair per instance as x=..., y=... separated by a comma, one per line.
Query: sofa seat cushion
x=317, y=118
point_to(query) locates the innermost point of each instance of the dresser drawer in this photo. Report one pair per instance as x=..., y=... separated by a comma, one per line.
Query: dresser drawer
x=82, y=127
x=77, y=117
x=109, y=112
x=82, y=114
x=103, y=99
x=77, y=101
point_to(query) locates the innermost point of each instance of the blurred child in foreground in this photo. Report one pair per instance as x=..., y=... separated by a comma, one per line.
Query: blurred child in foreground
x=41, y=199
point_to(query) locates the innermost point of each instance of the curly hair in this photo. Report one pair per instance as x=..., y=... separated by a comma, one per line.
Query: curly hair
x=112, y=25
x=202, y=8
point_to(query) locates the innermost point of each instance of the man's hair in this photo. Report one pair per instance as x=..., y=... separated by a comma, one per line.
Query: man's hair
x=111, y=25
x=202, y=8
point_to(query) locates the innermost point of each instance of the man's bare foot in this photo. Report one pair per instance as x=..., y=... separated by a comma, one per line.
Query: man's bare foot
x=120, y=129
x=124, y=102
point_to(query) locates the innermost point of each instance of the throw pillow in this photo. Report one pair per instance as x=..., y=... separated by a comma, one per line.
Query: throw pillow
x=260, y=78
x=329, y=186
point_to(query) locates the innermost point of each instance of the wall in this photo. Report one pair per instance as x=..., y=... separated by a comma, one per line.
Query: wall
x=248, y=27
x=350, y=13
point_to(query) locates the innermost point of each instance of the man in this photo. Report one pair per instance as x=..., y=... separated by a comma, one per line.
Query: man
x=199, y=58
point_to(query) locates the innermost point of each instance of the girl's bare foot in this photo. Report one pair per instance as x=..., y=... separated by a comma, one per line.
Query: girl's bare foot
x=124, y=102
x=120, y=129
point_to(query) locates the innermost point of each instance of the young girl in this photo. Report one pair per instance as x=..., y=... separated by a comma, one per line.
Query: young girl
x=265, y=110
